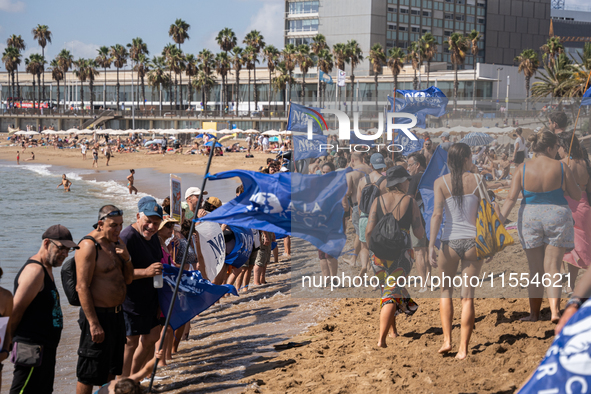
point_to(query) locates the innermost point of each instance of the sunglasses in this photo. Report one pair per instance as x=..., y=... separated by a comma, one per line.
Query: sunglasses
x=61, y=248
x=111, y=214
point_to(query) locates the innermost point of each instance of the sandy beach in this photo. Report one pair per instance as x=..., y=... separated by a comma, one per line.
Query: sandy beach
x=230, y=348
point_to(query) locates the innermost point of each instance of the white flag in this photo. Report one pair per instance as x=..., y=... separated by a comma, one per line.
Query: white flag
x=341, y=78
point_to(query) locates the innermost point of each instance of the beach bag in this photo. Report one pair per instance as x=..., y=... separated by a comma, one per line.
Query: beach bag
x=491, y=236
x=388, y=241
x=369, y=193
x=68, y=275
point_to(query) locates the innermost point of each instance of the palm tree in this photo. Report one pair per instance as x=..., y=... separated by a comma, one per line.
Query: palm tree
x=65, y=60
x=104, y=60
x=57, y=75
x=551, y=49
x=222, y=66
x=340, y=52
x=81, y=73
x=473, y=37
x=552, y=81
x=119, y=55
x=429, y=50
x=249, y=61
x=305, y=61
x=237, y=61
x=283, y=80
x=18, y=43
x=205, y=82
x=177, y=64
x=206, y=63
x=179, y=31
x=528, y=64
x=318, y=44
x=137, y=47
x=325, y=64
x=272, y=57
x=457, y=47
x=157, y=75
x=142, y=67
x=256, y=40
x=395, y=63
x=191, y=70
x=9, y=58
x=377, y=59
x=169, y=52
x=289, y=55
x=43, y=36
x=33, y=65
x=227, y=40
x=414, y=56
x=91, y=72
x=355, y=57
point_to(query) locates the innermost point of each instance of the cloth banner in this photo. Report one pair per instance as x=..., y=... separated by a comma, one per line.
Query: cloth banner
x=326, y=78
x=342, y=75
x=297, y=119
x=437, y=167
x=409, y=145
x=195, y=295
x=308, y=149
x=242, y=248
x=431, y=101
x=566, y=368
x=213, y=247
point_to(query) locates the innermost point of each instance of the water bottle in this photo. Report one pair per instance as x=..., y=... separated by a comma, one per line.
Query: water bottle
x=158, y=281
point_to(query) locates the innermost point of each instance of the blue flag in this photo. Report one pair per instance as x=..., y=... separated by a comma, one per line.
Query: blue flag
x=304, y=206
x=298, y=119
x=586, y=98
x=194, y=296
x=437, y=167
x=409, y=145
x=243, y=246
x=325, y=78
x=421, y=103
x=303, y=148
x=566, y=368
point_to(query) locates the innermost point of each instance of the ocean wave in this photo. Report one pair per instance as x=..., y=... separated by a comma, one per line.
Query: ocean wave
x=118, y=192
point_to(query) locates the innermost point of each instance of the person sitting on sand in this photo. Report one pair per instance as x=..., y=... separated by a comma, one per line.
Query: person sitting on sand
x=65, y=183
x=545, y=221
x=395, y=299
x=130, y=180
x=458, y=245
x=31, y=158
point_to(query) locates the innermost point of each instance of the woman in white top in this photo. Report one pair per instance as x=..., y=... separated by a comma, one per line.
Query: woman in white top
x=519, y=151
x=457, y=193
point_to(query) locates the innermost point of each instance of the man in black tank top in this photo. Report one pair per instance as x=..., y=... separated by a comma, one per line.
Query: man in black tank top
x=37, y=315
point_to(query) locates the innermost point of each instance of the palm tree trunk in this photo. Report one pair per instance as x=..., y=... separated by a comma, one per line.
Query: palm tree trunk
x=91, y=88
x=176, y=91
x=428, y=71
x=34, y=94
x=395, y=88
x=375, y=77
x=271, y=90
x=181, y=87
x=256, y=91
x=527, y=93
x=474, y=92
x=18, y=90
x=81, y=96
x=303, y=89
x=39, y=88
x=58, y=94
x=12, y=90
x=249, y=92
x=160, y=97
x=117, y=89
x=352, y=88
x=414, y=81
x=43, y=54
x=238, y=90
x=455, y=86
x=144, y=93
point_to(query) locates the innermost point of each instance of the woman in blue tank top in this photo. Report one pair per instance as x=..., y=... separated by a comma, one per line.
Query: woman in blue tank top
x=545, y=221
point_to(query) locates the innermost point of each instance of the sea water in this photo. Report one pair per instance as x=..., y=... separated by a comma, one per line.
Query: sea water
x=31, y=202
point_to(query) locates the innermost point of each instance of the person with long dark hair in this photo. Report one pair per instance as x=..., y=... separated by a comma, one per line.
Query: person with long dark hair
x=457, y=193
x=5, y=311
x=578, y=162
x=519, y=152
x=545, y=221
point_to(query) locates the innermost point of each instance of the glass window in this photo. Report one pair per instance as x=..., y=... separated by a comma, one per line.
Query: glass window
x=459, y=26
x=470, y=19
x=449, y=24
x=415, y=3
x=459, y=17
x=426, y=31
x=415, y=12
x=481, y=20
x=426, y=13
x=391, y=26
x=415, y=19
x=427, y=21
x=482, y=4
x=448, y=16
x=470, y=10
x=449, y=7
x=415, y=29
x=439, y=22
x=389, y=44
x=402, y=28
x=303, y=7
x=447, y=33
x=303, y=25
x=414, y=37
x=391, y=9
x=403, y=10
x=461, y=1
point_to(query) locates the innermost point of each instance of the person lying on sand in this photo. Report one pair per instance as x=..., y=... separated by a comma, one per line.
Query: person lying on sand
x=65, y=183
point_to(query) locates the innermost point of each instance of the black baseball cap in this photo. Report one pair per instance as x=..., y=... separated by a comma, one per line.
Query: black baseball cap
x=61, y=234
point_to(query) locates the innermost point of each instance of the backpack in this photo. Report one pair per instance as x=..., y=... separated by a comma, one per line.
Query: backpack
x=388, y=241
x=68, y=275
x=369, y=193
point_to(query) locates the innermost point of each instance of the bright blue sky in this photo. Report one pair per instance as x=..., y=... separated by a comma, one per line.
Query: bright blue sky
x=82, y=26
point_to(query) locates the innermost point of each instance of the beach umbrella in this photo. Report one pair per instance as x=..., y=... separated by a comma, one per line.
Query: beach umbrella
x=237, y=131
x=227, y=137
x=225, y=131
x=477, y=139
x=270, y=133
x=203, y=134
x=156, y=141
x=217, y=144
x=208, y=131
x=251, y=131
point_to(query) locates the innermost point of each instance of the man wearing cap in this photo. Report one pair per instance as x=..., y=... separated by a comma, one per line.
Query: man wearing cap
x=37, y=315
x=378, y=164
x=445, y=144
x=140, y=308
x=103, y=269
x=360, y=169
x=192, y=198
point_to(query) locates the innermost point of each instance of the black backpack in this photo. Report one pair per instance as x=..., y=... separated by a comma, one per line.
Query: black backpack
x=369, y=193
x=388, y=241
x=68, y=275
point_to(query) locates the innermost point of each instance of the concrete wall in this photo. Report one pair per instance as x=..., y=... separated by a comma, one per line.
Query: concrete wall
x=512, y=26
x=517, y=81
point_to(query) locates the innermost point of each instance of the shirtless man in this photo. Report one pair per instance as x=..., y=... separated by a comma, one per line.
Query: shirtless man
x=360, y=169
x=428, y=150
x=378, y=165
x=103, y=273
x=130, y=180
x=65, y=183
x=108, y=154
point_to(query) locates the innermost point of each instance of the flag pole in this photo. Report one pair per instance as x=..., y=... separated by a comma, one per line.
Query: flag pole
x=184, y=259
x=576, y=121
